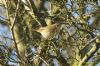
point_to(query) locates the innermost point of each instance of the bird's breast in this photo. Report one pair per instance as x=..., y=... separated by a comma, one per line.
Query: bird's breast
x=45, y=34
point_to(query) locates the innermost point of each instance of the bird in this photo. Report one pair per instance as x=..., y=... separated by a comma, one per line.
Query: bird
x=48, y=31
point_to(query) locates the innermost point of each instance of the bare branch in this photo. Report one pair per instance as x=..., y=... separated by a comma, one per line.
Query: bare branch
x=12, y=28
x=89, y=54
x=44, y=61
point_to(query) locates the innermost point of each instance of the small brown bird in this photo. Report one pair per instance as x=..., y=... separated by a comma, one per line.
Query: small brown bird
x=48, y=31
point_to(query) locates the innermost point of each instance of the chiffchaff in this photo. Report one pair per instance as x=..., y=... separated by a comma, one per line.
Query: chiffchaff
x=48, y=31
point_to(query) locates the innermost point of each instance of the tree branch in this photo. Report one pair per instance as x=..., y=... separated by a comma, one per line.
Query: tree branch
x=12, y=28
x=89, y=54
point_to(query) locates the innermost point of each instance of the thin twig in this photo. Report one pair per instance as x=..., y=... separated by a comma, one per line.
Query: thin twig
x=12, y=28
x=88, y=55
x=89, y=42
x=92, y=40
x=6, y=37
x=44, y=61
x=91, y=52
x=34, y=17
